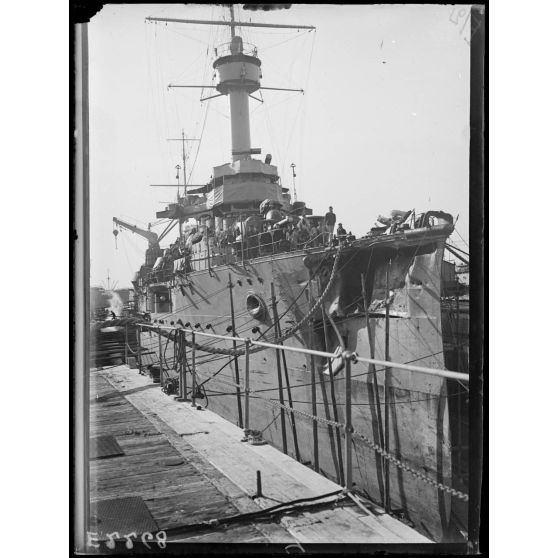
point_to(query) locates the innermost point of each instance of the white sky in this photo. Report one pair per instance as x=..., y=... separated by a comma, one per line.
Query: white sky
x=383, y=124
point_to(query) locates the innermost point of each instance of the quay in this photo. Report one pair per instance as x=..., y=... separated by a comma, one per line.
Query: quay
x=167, y=471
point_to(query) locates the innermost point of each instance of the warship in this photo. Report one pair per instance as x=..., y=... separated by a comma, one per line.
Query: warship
x=251, y=261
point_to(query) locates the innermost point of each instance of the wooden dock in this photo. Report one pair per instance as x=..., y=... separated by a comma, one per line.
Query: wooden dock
x=178, y=466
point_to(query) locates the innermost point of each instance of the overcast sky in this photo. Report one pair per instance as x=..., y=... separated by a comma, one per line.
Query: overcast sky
x=383, y=123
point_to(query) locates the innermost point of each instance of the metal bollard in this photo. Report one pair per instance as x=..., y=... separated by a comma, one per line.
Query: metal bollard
x=258, y=485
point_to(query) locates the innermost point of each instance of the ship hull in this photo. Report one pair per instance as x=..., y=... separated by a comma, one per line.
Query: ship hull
x=418, y=417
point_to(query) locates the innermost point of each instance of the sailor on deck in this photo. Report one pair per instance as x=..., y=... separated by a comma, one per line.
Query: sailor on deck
x=329, y=221
x=341, y=232
x=294, y=236
x=313, y=236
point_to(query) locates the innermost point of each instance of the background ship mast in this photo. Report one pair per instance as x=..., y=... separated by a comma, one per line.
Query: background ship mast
x=184, y=139
x=108, y=285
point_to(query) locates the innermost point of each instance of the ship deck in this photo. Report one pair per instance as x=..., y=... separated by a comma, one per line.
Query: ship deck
x=179, y=466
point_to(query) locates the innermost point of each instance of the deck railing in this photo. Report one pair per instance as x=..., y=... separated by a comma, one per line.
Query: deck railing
x=354, y=357
x=185, y=365
x=247, y=249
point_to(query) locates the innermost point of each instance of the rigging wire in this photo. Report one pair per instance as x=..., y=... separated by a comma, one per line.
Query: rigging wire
x=370, y=404
x=303, y=121
x=338, y=378
x=193, y=165
x=331, y=379
x=124, y=244
x=297, y=35
x=458, y=233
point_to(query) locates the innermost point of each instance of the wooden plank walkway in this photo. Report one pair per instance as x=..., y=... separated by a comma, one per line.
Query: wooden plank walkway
x=174, y=494
x=218, y=476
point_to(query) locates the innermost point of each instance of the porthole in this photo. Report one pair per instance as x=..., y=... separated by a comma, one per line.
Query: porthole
x=256, y=306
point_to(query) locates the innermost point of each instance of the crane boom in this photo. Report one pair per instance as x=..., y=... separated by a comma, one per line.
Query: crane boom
x=151, y=237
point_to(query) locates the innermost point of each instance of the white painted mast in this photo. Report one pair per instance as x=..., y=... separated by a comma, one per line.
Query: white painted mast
x=238, y=69
x=239, y=75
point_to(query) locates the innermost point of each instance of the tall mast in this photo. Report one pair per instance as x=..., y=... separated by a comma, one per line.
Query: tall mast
x=238, y=68
x=109, y=286
x=184, y=160
x=239, y=76
x=232, y=21
x=184, y=139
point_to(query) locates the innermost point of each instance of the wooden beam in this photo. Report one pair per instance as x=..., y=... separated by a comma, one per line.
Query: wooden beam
x=332, y=389
x=377, y=406
x=387, y=503
x=348, y=426
x=287, y=381
x=236, y=371
x=193, y=369
x=279, y=378
x=313, y=383
x=247, y=387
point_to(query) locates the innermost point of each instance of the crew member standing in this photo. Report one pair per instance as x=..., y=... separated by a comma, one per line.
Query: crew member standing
x=314, y=235
x=330, y=219
x=341, y=232
x=294, y=238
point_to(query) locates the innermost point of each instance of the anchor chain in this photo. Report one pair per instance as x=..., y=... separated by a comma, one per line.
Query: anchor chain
x=417, y=474
x=397, y=462
x=302, y=413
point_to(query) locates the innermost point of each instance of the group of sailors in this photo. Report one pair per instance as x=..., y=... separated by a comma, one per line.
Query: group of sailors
x=257, y=236
x=295, y=232
x=276, y=233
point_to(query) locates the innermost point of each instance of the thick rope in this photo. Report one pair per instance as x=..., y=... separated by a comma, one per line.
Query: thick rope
x=288, y=332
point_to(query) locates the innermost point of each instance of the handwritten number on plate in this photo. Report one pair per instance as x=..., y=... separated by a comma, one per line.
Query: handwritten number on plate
x=145, y=537
x=161, y=537
x=111, y=543
x=128, y=537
